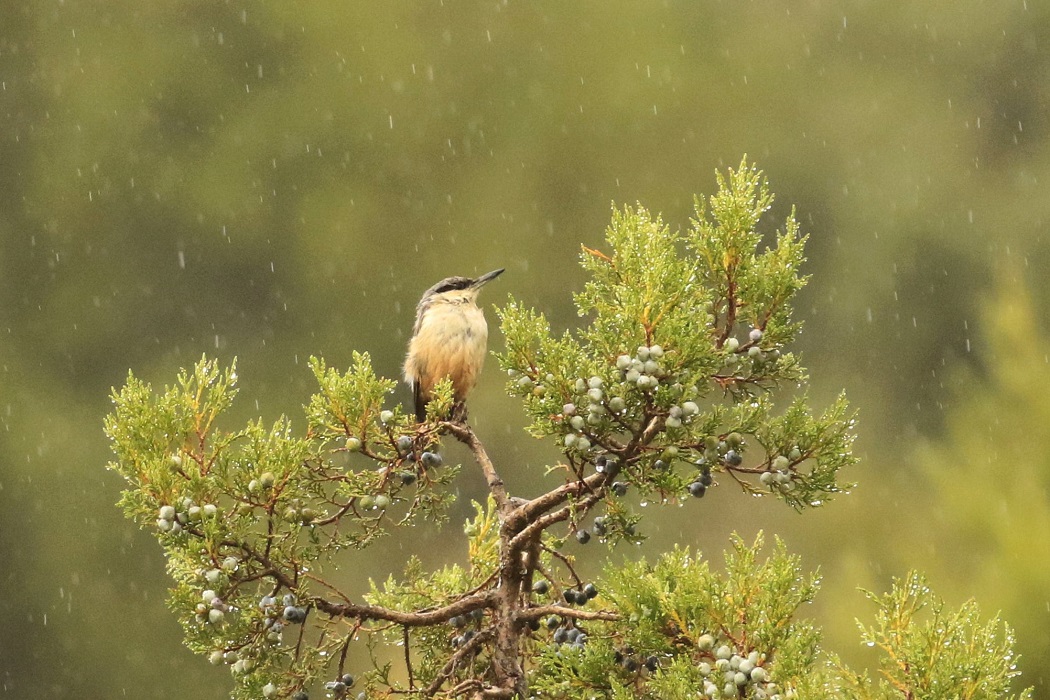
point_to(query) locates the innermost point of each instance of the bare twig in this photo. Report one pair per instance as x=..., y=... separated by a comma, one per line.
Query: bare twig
x=542, y=611
x=422, y=618
x=528, y=512
x=408, y=659
x=540, y=524
x=465, y=434
x=472, y=645
x=564, y=560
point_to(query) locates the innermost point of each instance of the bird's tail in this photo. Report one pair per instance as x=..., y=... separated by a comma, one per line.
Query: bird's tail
x=420, y=403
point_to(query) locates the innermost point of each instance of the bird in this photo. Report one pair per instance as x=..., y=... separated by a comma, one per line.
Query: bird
x=449, y=339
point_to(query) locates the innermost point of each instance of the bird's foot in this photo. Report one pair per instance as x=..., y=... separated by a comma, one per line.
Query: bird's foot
x=459, y=413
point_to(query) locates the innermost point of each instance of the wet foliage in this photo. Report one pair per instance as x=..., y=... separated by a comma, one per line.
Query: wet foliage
x=672, y=386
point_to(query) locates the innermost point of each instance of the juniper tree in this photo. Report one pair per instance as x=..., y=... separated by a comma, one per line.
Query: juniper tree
x=671, y=386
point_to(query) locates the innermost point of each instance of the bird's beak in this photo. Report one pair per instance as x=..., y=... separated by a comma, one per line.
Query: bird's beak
x=487, y=276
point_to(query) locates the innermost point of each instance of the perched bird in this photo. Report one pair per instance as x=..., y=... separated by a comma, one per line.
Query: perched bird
x=449, y=340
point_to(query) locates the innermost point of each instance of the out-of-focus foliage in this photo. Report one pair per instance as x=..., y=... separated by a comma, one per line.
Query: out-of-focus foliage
x=275, y=180
x=990, y=473
x=938, y=654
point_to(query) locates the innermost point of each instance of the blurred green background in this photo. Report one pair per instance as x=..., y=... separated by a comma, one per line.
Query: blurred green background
x=270, y=180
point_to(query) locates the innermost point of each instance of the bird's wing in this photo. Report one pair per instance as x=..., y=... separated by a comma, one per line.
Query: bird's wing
x=421, y=309
x=414, y=375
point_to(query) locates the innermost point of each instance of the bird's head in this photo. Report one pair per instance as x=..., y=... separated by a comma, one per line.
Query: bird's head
x=458, y=290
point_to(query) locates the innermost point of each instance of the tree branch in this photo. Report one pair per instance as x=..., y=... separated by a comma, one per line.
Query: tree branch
x=528, y=512
x=540, y=524
x=421, y=618
x=465, y=434
x=542, y=611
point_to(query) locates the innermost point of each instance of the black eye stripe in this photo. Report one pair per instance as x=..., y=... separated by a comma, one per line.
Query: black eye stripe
x=452, y=285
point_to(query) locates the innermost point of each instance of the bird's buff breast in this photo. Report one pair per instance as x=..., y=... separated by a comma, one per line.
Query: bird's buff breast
x=451, y=343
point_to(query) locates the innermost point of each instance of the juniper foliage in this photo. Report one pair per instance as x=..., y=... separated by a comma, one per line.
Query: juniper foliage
x=680, y=379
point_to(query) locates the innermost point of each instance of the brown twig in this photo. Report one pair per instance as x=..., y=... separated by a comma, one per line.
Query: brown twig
x=465, y=434
x=529, y=511
x=542, y=611
x=421, y=618
x=472, y=645
x=408, y=658
x=565, y=561
x=541, y=523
